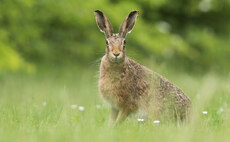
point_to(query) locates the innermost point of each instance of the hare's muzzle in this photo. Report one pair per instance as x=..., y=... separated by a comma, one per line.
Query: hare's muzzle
x=116, y=55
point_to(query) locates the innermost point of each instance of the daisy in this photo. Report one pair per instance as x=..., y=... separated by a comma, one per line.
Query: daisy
x=140, y=120
x=156, y=121
x=205, y=112
x=81, y=108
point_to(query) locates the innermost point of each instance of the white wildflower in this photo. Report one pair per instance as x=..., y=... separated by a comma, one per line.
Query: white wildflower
x=73, y=106
x=140, y=120
x=156, y=121
x=81, y=108
x=205, y=112
x=98, y=106
x=44, y=104
x=220, y=111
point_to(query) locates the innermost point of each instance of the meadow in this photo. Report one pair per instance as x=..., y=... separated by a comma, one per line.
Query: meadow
x=49, y=51
x=63, y=104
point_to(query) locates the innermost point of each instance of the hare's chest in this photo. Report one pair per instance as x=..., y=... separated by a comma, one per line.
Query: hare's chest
x=111, y=89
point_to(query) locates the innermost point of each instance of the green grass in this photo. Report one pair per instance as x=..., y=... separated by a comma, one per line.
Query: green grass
x=23, y=117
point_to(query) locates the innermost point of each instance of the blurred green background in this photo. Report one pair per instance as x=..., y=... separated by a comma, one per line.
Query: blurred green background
x=187, y=35
x=50, y=52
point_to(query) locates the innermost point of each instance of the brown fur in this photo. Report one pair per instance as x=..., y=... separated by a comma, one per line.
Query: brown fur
x=129, y=86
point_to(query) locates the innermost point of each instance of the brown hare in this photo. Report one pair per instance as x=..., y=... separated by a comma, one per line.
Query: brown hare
x=130, y=87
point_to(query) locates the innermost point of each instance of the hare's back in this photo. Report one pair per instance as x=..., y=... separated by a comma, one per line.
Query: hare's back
x=169, y=92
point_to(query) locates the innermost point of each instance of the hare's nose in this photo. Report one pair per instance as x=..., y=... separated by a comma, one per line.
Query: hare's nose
x=116, y=54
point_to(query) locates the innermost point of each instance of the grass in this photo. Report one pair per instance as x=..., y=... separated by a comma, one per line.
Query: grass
x=37, y=108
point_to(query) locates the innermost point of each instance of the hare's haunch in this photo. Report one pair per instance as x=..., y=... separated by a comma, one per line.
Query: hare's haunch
x=129, y=86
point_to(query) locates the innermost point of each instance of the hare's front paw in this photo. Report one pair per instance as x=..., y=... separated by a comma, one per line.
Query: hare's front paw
x=113, y=117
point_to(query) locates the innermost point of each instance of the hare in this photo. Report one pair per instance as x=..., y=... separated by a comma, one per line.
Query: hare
x=130, y=87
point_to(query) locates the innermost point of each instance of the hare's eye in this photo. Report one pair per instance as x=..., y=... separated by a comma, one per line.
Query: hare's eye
x=106, y=42
x=124, y=42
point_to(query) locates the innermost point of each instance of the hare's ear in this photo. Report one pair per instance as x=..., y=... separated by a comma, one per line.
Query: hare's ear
x=103, y=23
x=128, y=23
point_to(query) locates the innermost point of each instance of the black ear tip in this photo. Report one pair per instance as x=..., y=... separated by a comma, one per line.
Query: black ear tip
x=98, y=12
x=133, y=13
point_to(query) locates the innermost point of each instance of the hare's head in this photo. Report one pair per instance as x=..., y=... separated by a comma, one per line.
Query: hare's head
x=115, y=50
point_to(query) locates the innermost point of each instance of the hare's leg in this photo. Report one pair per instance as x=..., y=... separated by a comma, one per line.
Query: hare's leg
x=113, y=116
x=122, y=116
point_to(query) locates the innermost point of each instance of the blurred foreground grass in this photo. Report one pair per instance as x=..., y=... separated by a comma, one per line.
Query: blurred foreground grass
x=40, y=107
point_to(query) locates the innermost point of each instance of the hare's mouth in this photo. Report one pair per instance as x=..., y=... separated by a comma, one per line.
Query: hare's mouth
x=116, y=59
